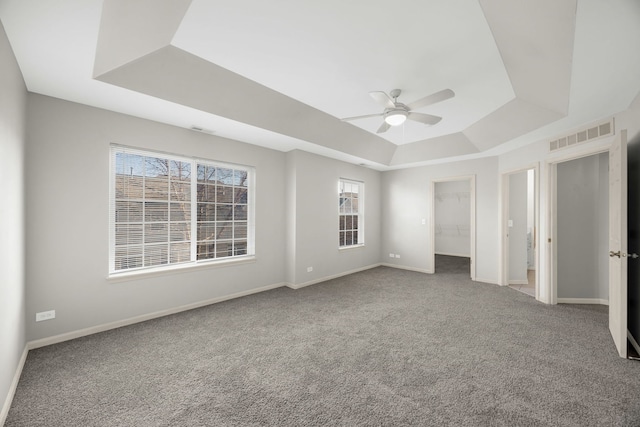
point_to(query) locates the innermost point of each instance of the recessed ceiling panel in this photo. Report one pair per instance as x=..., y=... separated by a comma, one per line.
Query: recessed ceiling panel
x=331, y=54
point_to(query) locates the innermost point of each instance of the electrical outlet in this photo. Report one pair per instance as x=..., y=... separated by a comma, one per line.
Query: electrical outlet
x=397, y=255
x=309, y=269
x=391, y=255
x=45, y=315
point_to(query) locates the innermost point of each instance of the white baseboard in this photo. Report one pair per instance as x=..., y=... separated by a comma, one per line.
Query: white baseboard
x=14, y=385
x=137, y=319
x=599, y=301
x=333, y=276
x=519, y=282
x=454, y=254
x=404, y=267
x=487, y=281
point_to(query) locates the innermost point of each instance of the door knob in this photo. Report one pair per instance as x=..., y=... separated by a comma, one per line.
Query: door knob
x=612, y=254
x=634, y=256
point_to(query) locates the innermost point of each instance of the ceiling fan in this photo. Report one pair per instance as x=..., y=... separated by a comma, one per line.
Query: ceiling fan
x=395, y=113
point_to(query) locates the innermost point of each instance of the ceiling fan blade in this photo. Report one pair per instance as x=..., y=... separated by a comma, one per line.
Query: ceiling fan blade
x=431, y=99
x=383, y=127
x=383, y=99
x=361, y=117
x=427, y=119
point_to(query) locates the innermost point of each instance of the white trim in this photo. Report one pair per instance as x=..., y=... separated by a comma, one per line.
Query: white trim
x=404, y=267
x=599, y=301
x=333, y=276
x=487, y=281
x=13, y=386
x=551, y=165
x=144, y=317
x=452, y=254
x=518, y=282
x=180, y=268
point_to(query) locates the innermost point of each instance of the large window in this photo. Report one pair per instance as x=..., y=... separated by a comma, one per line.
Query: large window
x=167, y=210
x=351, y=207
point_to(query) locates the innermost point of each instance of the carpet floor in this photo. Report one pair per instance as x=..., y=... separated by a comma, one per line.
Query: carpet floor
x=383, y=347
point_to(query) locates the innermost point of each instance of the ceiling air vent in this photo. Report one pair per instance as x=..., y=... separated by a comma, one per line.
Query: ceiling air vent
x=595, y=132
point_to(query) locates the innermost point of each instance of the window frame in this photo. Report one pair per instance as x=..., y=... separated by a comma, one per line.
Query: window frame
x=359, y=214
x=194, y=224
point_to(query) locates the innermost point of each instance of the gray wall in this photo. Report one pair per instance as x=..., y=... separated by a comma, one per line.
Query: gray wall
x=314, y=233
x=583, y=242
x=67, y=188
x=452, y=218
x=406, y=200
x=518, y=196
x=13, y=95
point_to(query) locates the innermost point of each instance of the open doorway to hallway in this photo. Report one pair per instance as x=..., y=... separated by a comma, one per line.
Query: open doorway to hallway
x=520, y=230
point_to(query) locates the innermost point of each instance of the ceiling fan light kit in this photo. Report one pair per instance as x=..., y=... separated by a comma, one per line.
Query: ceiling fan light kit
x=395, y=117
x=396, y=113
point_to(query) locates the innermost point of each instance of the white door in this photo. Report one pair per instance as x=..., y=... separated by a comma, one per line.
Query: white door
x=618, y=242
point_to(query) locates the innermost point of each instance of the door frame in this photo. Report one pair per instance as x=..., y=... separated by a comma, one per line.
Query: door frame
x=472, y=222
x=504, y=223
x=551, y=166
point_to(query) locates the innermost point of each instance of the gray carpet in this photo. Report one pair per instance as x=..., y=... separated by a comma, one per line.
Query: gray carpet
x=383, y=347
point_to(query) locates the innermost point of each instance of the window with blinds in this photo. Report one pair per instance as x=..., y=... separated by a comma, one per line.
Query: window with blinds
x=167, y=210
x=350, y=213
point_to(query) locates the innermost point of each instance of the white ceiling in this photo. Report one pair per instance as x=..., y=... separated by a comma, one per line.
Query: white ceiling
x=282, y=73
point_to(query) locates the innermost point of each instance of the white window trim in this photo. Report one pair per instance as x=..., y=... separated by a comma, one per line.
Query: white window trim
x=361, y=209
x=118, y=275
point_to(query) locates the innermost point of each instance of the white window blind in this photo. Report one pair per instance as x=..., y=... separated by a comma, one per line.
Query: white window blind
x=167, y=210
x=350, y=213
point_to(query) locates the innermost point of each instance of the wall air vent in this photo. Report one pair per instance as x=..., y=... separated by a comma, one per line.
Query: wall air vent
x=598, y=131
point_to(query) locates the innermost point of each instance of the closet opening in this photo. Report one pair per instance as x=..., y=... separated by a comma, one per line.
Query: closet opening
x=453, y=225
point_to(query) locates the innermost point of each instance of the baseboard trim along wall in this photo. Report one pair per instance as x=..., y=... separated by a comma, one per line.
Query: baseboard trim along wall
x=599, y=301
x=453, y=254
x=519, y=282
x=333, y=276
x=14, y=385
x=404, y=267
x=487, y=281
x=137, y=319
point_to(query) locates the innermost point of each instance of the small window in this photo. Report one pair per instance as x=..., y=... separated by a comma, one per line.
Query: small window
x=167, y=210
x=350, y=213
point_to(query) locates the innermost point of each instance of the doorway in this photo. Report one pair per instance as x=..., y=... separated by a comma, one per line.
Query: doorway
x=453, y=225
x=582, y=233
x=633, y=247
x=520, y=230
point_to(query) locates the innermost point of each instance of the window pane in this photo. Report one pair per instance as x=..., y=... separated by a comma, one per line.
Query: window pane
x=180, y=252
x=224, y=212
x=224, y=230
x=180, y=231
x=207, y=231
x=342, y=238
x=241, y=178
x=224, y=249
x=128, y=187
x=240, y=247
x=240, y=196
x=156, y=233
x=225, y=176
x=156, y=167
x=355, y=222
x=206, y=193
x=206, y=212
x=180, y=191
x=180, y=211
x=348, y=222
x=156, y=254
x=180, y=171
x=224, y=194
x=128, y=257
x=206, y=251
x=128, y=212
x=240, y=230
x=348, y=238
x=128, y=234
x=156, y=188
x=240, y=213
x=156, y=211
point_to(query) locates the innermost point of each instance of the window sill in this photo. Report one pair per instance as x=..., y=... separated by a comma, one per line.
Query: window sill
x=346, y=248
x=182, y=268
